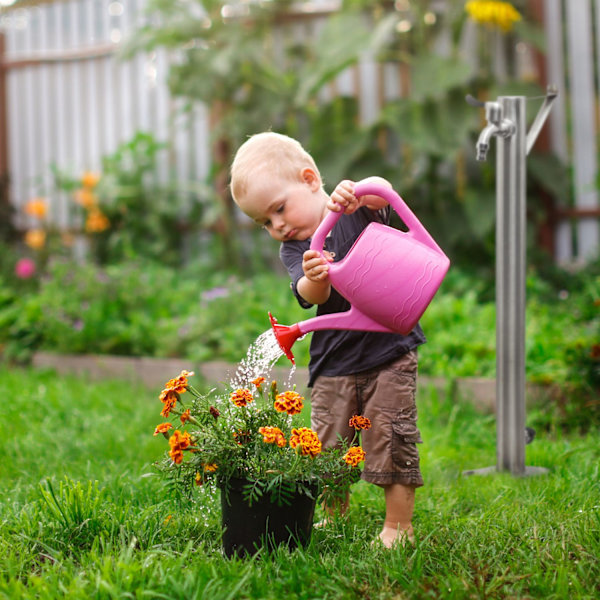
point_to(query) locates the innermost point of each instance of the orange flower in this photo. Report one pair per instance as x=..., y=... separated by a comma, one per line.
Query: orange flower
x=96, y=222
x=185, y=416
x=210, y=468
x=86, y=198
x=169, y=399
x=179, y=384
x=35, y=238
x=241, y=397
x=360, y=422
x=258, y=382
x=307, y=441
x=163, y=428
x=289, y=402
x=272, y=435
x=90, y=180
x=354, y=456
x=198, y=478
x=180, y=440
x=36, y=207
x=176, y=455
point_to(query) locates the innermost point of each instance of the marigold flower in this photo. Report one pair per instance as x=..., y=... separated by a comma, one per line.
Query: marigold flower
x=185, y=416
x=163, y=428
x=180, y=440
x=210, y=468
x=86, y=198
x=359, y=422
x=307, y=440
x=176, y=455
x=289, y=402
x=214, y=412
x=258, y=382
x=493, y=13
x=90, y=180
x=179, y=384
x=198, y=478
x=35, y=238
x=36, y=207
x=241, y=397
x=96, y=222
x=169, y=399
x=272, y=435
x=354, y=456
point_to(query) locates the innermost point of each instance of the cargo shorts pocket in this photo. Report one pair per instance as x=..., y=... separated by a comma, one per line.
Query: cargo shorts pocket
x=405, y=436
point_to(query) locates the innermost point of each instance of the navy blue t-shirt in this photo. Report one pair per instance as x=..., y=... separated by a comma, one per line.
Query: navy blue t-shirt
x=344, y=352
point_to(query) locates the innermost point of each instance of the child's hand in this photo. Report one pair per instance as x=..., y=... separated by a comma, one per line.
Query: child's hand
x=316, y=267
x=343, y=198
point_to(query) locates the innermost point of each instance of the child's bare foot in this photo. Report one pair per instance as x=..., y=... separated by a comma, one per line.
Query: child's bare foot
x=392, y=536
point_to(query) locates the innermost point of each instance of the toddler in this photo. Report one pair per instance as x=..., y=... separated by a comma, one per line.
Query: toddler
x=277, y=183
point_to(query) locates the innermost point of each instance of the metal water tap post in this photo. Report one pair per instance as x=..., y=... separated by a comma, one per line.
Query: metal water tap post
x=507, y=121
x=497, y=125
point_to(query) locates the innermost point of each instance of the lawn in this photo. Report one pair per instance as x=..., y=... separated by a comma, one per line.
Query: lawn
x=83, y=515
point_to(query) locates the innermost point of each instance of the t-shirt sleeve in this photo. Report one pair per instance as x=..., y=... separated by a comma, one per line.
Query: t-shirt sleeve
x=290, y=254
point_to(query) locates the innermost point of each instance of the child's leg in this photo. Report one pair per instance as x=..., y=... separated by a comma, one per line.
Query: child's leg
x=399, y=507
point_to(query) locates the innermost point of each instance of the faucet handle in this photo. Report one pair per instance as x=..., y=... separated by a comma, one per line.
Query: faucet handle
x=474, y=101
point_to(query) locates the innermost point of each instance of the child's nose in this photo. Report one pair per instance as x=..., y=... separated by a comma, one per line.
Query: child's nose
x=278, y=222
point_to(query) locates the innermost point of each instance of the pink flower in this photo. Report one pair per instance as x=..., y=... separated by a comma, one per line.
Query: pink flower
x=25, y=268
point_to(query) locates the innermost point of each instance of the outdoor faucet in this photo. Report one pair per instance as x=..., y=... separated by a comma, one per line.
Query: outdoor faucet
x=497, y=125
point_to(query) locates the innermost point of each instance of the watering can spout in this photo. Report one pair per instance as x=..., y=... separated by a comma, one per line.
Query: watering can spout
x=286, y=335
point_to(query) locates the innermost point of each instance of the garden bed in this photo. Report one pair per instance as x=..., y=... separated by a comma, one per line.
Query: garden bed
x=153, y=372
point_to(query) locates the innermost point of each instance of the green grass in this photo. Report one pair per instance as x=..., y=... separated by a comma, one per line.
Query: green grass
x=82, y=515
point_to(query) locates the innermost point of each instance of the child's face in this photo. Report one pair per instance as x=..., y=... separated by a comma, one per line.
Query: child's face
x=288, y=210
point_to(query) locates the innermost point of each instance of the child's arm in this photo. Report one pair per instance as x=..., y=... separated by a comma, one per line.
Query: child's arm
x=314, y=286
x=343, y=197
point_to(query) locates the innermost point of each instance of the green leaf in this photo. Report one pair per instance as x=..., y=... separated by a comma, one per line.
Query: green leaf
x=433, y=76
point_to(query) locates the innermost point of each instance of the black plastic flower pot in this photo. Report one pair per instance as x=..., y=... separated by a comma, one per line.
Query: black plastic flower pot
x=265, y=523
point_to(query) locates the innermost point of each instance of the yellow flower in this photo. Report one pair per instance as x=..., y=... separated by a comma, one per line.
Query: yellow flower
x=354, y=456
x=289, y=402
x=90, y=180
x=359, y=422
x=493, y=13
x=96, y=222
x=241, y=397
x=307, y=440
x=210, y=468
x=35, y=238
x=36, y=207
x=86, y=198
x=272, y=435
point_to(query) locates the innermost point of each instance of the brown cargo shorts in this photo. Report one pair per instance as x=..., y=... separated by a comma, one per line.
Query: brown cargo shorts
x=385, y=395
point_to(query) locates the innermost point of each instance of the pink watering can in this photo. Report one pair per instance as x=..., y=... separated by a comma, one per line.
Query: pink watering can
x=388, y=276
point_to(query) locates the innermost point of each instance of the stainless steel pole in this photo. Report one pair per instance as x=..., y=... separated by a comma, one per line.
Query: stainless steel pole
x=510, y=289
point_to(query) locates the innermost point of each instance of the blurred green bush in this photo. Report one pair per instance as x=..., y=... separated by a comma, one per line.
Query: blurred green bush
x=146, y=309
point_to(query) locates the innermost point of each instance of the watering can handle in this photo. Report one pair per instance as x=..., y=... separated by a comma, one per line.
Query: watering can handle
x=415, y=229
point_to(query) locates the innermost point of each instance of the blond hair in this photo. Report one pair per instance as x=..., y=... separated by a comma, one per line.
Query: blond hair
x=268, y=154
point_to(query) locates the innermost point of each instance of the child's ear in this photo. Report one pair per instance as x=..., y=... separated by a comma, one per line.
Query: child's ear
x=312, y=178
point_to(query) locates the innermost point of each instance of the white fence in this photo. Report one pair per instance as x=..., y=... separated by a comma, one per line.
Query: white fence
x=70, y=100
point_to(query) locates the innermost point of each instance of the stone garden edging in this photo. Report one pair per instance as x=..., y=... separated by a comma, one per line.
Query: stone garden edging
x=154, y=372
